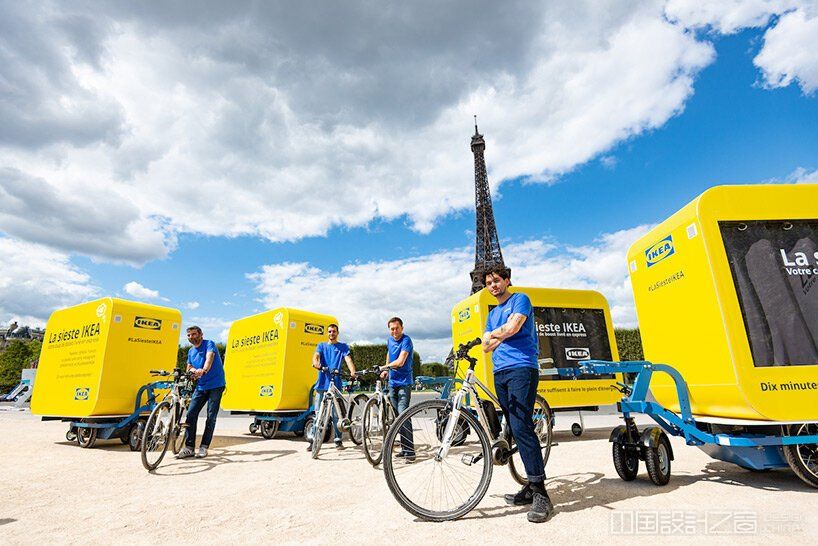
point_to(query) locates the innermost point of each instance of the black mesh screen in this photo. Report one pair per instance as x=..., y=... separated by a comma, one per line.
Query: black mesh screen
x=775, y=268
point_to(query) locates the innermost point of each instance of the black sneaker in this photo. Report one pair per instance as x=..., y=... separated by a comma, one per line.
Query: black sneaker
x=541, y=508
x=339, y=444
x=309, y=447
x=521, y=498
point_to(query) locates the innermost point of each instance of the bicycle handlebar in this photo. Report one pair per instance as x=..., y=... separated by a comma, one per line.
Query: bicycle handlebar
x=463, y=350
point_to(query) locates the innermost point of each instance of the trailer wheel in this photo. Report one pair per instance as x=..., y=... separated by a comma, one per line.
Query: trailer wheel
x=625, y=462
x=803, y=458
x=135, y=435
x=269, y=429
x=657, y=461
x=86, y=437
x=71, y=435
x=125, y=437
x=253, y=428
x=576, y=430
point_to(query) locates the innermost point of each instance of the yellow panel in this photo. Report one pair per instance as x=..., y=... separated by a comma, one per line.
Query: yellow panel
x=688, y=301
x=96, y=355
x=575, y=319
x=268, y=364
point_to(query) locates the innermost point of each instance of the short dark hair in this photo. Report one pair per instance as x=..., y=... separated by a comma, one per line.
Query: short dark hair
x=189, y=328
x=500, y=270
x=395, y=319
x=332, y=325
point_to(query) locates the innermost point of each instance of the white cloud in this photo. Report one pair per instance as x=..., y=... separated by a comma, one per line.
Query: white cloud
x=213, y=328
x=136, y=290
x=423, y=290
x=803, y=176
x=35, y=280
x=790, y=51
x=726, y=16
x=192, y=305
x=244, y=122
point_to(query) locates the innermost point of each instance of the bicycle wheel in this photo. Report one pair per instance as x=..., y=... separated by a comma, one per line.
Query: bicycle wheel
x=544, y=428
x=373, y=431
x=432, y=486
x=323, y=420
x=157, y=435
x=178, y=439
x=355, y=415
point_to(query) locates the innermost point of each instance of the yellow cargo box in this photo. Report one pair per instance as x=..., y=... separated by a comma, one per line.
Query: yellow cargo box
x=96, y=355
x=725, y=292
x=268, y=363
x=572, y=326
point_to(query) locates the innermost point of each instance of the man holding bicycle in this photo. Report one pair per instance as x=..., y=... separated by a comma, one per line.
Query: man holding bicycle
x=399, y=350
x=511, y=336
x=326, y=359
x=204, y=360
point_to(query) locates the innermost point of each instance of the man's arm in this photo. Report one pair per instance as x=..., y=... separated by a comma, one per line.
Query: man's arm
x=316, y=361
x=398, y=362
x=350, y=365
x=511, y=327
x=492, y=339
x=489, y=343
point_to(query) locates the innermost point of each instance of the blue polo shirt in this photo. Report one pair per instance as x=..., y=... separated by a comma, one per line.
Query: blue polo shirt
x=400, y=377
x=521, y=349
x=332, y=356
x=196, y=358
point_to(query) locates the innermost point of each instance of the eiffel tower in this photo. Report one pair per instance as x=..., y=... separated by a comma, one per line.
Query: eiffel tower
x=487, y=250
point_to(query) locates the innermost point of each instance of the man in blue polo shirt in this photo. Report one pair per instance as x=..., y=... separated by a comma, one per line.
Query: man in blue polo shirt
x=399, y=351
x=330, y=355
x=204, y=360
x=511, y=336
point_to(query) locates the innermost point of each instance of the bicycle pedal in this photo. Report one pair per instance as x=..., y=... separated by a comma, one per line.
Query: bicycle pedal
x=467, y=460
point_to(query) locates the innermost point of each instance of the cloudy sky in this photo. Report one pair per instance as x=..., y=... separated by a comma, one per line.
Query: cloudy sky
x=225, y=158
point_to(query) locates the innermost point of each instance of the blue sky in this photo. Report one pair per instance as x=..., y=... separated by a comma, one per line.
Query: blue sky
x=363, y=229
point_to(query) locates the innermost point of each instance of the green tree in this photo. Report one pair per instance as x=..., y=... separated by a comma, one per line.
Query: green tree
x=17, y=355
x=368, y=356
x=629, y=343
x=435, y=369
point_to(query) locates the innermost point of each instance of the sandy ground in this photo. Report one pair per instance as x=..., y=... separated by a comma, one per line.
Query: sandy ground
x=251, y=490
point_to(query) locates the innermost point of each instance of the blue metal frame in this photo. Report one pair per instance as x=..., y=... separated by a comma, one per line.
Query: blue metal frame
x=682, y=424
x=109, y=427
x=287, y=421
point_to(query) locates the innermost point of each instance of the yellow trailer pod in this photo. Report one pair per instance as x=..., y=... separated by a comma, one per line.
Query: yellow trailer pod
x=268, y=363
x=96, y=356
x=572, y=326
x=725, y=292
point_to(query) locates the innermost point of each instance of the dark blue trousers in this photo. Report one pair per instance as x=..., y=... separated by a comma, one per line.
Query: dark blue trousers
x=516, y=389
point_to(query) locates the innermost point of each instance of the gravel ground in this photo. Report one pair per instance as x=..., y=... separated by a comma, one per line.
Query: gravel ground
x=251, y=490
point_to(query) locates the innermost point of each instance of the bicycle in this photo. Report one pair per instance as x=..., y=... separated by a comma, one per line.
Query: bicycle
x=452, y=470
x=378, y=414
x=334, y=399
x=164, y=426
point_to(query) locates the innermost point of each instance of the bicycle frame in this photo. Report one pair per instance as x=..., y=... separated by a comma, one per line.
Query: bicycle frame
x=467, y=388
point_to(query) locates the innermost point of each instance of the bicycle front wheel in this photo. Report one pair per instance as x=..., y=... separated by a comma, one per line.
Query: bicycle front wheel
x=355, y=415
x=544, y=429
x=322, y=420
x=157, y=435
x=373, y=430
x=431, y=485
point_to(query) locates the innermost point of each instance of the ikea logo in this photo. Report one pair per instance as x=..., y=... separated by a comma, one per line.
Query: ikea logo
x=463, y=315
x=660, y=251
x=577, y=353
x=81, y=393
x=266, y=390
x=147, y=323
x=314, y=329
